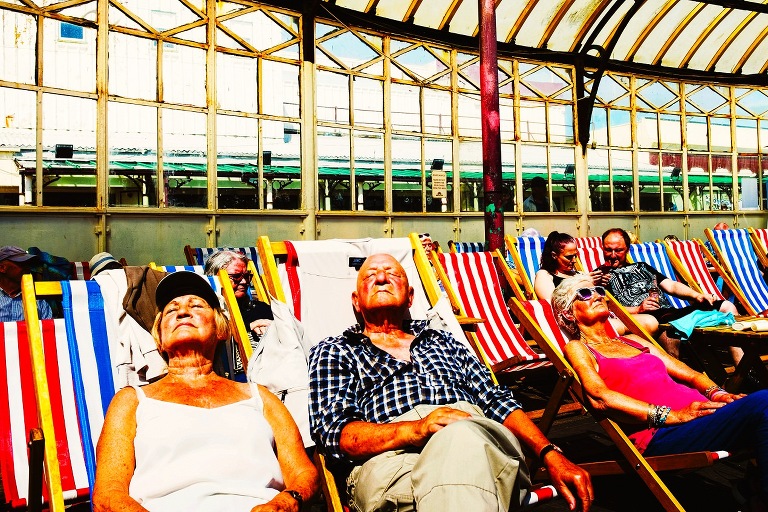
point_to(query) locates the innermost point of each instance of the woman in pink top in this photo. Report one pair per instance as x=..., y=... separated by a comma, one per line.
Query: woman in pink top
x=663, y=404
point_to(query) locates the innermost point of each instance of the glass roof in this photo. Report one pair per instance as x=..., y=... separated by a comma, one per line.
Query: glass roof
x=722, y=36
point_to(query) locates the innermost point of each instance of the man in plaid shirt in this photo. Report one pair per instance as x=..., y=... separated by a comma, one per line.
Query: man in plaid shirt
x=412, y=417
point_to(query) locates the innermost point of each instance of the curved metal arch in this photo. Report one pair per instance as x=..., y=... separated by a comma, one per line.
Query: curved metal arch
x=586, y=25
x=676, y=33
x=750, y=50
x=649, y=28
x=449, y=14
x=512, y=34
x=703, y=36
x=729, y=40
x=411, y=11
x=554, y=22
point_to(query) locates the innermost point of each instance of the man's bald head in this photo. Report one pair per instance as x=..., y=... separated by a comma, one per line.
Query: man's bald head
x=382, y=288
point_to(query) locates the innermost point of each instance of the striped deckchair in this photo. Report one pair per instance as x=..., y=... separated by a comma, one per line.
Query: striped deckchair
x=467, y=247
x=590, y=251
x=199, y=255
x=74, y=383
x=688, y=258
x=655, y=255
x=760, y=243
x=526, y=253
x=734, y=250
x=475, y=282
x=538, y=319
x=197, y=269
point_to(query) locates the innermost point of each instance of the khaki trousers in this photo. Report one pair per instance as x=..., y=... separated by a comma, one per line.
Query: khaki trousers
x=470, y=465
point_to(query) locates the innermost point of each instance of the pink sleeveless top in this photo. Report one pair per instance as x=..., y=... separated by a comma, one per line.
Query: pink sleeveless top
x=643, y=377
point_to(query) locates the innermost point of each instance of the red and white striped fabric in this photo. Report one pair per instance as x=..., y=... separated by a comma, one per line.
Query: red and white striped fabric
x=475, y=279
x=542, y=314
x=590, y=257
x=689, y=254
x=762, y=235
x=81, y=270
x=18, y=411
x=594, y=242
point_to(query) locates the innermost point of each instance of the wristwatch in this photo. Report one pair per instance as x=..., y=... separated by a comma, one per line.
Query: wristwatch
x=295, y=495
x=550, y=447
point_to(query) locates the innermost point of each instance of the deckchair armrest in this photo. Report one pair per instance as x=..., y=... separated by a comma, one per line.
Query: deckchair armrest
x=468, y=320
x=691, y=460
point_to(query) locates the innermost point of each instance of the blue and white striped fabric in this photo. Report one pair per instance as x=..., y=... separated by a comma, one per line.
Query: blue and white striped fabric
x=530, y=249
x=469, y=246
x=87, y=351
x=197, y=269
x=740, y=258
x=203, y=253
x=655, y=254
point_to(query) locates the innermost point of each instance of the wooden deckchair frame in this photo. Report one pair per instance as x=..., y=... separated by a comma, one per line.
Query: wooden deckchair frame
x=645, y=468
x=760, y=249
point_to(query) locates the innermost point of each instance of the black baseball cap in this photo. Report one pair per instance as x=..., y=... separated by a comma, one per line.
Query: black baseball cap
x=182, y=283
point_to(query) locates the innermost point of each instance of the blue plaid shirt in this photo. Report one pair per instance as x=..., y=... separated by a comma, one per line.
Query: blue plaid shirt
x=353, y=380
x=12, y=309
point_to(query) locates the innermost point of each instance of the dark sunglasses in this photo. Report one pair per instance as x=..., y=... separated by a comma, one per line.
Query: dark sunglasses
x=570, y=257
x=237, y=278
x=588, y=293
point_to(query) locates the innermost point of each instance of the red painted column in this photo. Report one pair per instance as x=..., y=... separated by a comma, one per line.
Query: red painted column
x=489, y=113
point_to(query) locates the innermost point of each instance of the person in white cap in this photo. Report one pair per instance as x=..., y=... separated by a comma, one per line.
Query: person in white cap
x=101, y=262
x=14, y=263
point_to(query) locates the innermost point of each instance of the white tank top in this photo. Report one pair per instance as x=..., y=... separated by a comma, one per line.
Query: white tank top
x=190, y=458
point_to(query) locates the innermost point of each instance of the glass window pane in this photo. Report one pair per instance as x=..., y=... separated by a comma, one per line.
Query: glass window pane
x=699, y=192
x=533, y=121
x=673, y=198
x=184, y=160
x=132, y=66
x=334, y=170
x=69, y=63
x=69, y=123
x=369, y=171
x=748, y=178
x=598, y=127
x=237, y=162
x=438, y=155
x=598, y=180
x=332, y=97
x=620, y=129
x=132, y=155
x=561, y=123
x=697, y=133
x=406, y=112
x=622, y=176
x=534, y=160
x=236, y=83
x=16, y=184
x=471, y=176
x=650, y=188
x=437, y=111
x=280, y=89
x=282, y=177
x=368, y=102
x=670, y=128
x=721, y=134
x=508, y=177
x=563, y=174
x=17, y=51
x=746, y=135
x=184, y=75
x=507, y=115
x=647, y=130
x=722, y=182
x=469, y=115
x=406, y=174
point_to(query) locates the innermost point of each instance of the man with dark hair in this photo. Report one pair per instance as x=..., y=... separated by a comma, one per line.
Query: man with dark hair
x=14, y=263
x=412, y=418
x=637, y=287
x=538, y=201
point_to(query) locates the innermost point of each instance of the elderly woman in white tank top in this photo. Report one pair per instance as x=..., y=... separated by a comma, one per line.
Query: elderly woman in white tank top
x=194, y=440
